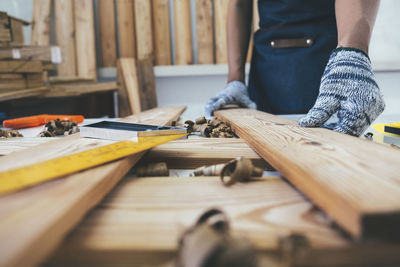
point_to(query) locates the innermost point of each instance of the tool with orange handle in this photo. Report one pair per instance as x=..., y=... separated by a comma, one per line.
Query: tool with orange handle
x=37, y=120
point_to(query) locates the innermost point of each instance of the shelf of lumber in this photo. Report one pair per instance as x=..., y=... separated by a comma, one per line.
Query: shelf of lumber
x=79, y=88
x=54, y=208
x=140, y=221
x=353, y=180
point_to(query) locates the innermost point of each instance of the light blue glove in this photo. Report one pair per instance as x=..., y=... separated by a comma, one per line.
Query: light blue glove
x=235, y=92
x=347, y=87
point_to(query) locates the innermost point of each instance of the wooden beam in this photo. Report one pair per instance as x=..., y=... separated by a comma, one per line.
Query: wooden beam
x=65, y=36
x=355, y=181
x=41, y=22
x=50, y=54
x=139, y=224
x=54, y=208
x=144, y=29
x=20, y=66
x=85, y=39
x=126, y=28
x=196, y=152
x=65, y=90
x=183, y=33
x=107, y=33
x=205, y=31
x=22, y=93
x=221, y=11
x=162, y=33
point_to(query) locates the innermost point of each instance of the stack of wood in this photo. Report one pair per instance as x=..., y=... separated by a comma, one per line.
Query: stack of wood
x=22, y=66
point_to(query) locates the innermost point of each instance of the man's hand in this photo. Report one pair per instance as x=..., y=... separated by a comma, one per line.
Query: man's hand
x=347, y=87
x=234, y=93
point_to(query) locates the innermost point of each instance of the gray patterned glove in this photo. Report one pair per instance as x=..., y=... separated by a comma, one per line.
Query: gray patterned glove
x=347, y=87
x=234, y=93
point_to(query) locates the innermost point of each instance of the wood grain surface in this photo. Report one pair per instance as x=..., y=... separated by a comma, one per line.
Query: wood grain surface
x=205, y=31
x=162, y=32
x=140, y=221
x=34, y=221
x=65, y=36
x=41, y=22
x=22, y=93
x=197, y=152
x=107, y=33
x=355, y=181
x=129, y=82
x=85, y=39
x=183, y=33
x=144, y=29
x=221, y=11
x=126, y=28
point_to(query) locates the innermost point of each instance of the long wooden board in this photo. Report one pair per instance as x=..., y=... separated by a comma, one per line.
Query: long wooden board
x=355, y=181
x=107, y=33
x=35, y=220
x=139, y=223
x=126, y=28
x=128, y=80
x=65, y=36
x=205, y=31
x=162, y=32
x=41, y=22
x=196, y=152
x=183, y=36
x=144, y=29
x=22, y=93
x=85, y=39
x=221, y=11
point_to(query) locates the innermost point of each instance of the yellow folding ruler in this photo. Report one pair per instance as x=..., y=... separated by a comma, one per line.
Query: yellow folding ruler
x=19, y=178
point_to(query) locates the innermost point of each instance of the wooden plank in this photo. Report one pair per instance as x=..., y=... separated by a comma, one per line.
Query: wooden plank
x=20, y=66
x=144, y=29
x=43, y=53
x=22, y=93
x=11, y=145
x=78, y=89
x=138, y=223
x=221, y=11
x=17, y=31
x=129, y=92
x=41, y=22
x=85, y=39
x=162, y=33
x=5, y=35
x=205, y=31
x=34, y=80
x=126, y=28
x=147, y=84
x=107, y=33
x=196, y=152
x=54, y=208
x=353, y=180
x=65, y=36
x=183, y=33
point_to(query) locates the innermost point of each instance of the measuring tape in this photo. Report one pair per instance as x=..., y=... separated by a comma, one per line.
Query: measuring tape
x=22, y=177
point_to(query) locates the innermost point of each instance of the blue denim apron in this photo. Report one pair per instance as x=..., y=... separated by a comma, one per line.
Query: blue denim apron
x=286, y=80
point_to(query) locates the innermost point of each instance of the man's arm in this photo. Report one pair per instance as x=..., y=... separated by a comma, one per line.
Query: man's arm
x=355, y=20
x=240, y=13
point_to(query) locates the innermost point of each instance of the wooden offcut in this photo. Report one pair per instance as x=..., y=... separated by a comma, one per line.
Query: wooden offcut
x=54, y=208
x=65, y=36
x=85, y=39
x=147, y=84
x=205, y=31
x=162, y=33
x=221, y=12
x=126, y=28
x=107, y=33
x=41, y=22
x=183, y=33
x=353, y=180
x=144, y=29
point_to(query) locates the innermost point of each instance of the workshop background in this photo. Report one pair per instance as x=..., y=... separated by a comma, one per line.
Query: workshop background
x=201, y=72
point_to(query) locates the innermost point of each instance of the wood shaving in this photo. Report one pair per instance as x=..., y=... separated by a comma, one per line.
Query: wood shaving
x=59, y=127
